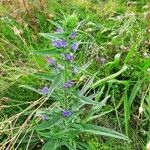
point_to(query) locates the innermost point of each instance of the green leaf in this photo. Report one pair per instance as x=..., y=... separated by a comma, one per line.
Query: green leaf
x=132, y=51
x=109, y=77
x=44, y=76
x=98, y=130
x=134, y=92
x=87, y=85
x=96, y=109
x=99, y=115
x=45, y=134
x=84, y=99
x=126, y=112
x=47, y=52
x=71, y=22
x=51, y=145
x=70, y=146
x=55, y=84
x=47, y=124
x=53, y=35
x=55, y=24
x=30, y=88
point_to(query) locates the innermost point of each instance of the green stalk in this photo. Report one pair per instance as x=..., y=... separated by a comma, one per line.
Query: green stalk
x=65, y=90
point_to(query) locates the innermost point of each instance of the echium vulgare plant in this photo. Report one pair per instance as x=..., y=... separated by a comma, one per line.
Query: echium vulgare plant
x=68, y=116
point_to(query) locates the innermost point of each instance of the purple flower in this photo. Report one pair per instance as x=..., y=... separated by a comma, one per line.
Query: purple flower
x=51, y=61
x=69, y=57
x=74, y=46
x=66, y=113
x=73, y=35
x=55, y=43
x=68, y=84
x=59, y=43
x=45, y=90
x=45, y=117
x=59, y=30
x=62, y=43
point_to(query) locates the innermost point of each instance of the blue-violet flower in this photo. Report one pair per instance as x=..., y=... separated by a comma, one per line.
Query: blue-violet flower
x=59, y=43
x=73, y=35
x=45, y=90
x=68, y=84
x=69, y=57
x=74, y=46
x=66, y=113
x=51, y=61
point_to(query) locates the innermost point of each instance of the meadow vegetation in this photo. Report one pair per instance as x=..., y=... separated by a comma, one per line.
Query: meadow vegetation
x=75, y=74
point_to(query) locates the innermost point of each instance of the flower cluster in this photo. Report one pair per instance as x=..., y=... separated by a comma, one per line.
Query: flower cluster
x=59, y=43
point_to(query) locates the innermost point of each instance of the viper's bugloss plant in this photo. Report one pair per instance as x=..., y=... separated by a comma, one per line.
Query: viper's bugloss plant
x=74, y=103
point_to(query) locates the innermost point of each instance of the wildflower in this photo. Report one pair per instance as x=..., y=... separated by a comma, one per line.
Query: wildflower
x=45, y=117
x=59, y=43
x=66, y=113
x=69, y=57
x=73, y=35
x=51, y=61
x=59, y=30
x=68, y=84
x=45, y=90
x=74, y=46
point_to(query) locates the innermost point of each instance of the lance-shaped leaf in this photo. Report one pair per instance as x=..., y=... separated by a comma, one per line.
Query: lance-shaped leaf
x=109, y=77
x=52, y=145
x=98, y=130
x=84, y=99
x=30, y=88
x=49, y=51
x=47, y=124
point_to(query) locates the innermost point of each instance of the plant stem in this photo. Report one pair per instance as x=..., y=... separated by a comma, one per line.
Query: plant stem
x=65, y=90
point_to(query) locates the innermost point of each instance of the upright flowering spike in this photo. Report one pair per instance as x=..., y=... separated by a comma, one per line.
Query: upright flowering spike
x=73, y=35
x=69, y=57
x=74, y=46
x=45, y=90
x=68, y=84
x=66, y=113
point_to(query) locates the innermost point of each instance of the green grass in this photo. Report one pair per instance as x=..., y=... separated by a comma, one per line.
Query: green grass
x=114, y=34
